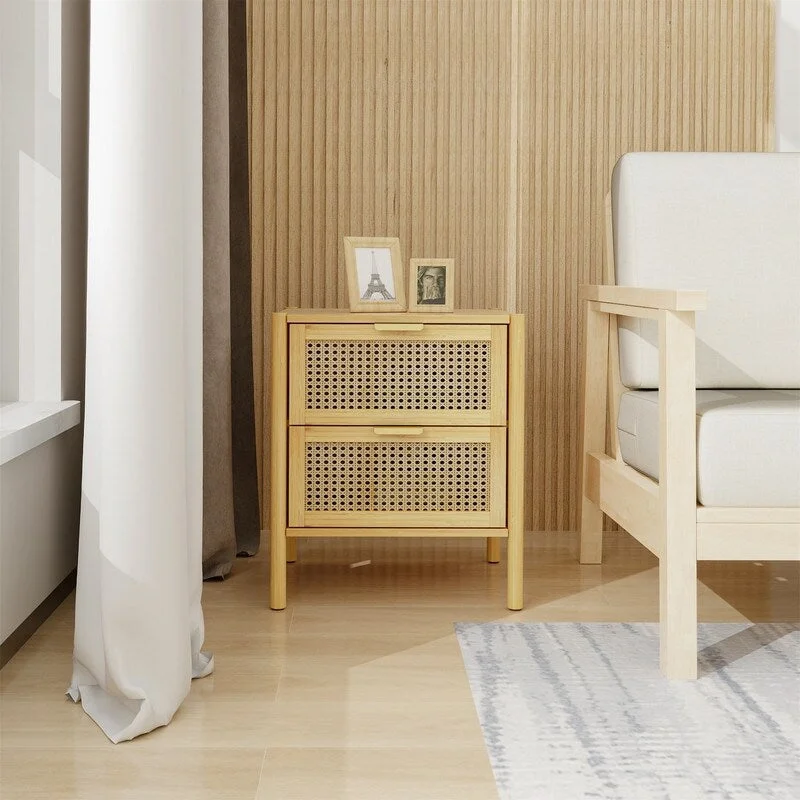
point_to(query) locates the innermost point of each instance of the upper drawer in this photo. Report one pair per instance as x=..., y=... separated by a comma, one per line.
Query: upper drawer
x=416, y=373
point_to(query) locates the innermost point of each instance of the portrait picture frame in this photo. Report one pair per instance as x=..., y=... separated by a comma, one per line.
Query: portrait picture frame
x=431, y=284
x=374, y=273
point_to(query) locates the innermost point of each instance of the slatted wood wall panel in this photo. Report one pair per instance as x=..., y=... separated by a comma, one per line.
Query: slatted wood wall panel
x=382, y=119
x=486, y=131
x=598, y=79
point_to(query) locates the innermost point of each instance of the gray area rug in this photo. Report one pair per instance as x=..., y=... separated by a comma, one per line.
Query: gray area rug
x=572, y=711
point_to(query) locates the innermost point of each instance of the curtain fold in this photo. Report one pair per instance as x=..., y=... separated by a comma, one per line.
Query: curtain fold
x=230, y=483
x=138, y=618
x=219, y=538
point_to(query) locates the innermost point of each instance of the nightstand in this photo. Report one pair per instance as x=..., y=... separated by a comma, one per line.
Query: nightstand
x=397, y=424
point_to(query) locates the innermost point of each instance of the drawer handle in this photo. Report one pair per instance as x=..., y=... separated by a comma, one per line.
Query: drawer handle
x=399, y=326
x=398, y=431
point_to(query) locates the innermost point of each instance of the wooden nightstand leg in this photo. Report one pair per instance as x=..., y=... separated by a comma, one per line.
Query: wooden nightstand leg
x=291, y=550
x=278, y=463
x=493, y=549
x=277, y=570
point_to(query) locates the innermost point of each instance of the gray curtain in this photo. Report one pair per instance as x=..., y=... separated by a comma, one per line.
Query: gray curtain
x=230, y=484
x=247, y=517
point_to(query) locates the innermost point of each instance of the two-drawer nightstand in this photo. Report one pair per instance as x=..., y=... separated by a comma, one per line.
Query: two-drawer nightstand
x=397, y=424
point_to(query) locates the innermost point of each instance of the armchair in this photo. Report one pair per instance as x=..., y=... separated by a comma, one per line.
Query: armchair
x=692, y=372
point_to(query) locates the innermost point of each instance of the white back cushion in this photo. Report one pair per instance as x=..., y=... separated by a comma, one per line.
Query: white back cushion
x=728, y=223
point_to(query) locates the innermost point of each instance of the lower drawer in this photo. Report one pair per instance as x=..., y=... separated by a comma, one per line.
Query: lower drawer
x=397, y=477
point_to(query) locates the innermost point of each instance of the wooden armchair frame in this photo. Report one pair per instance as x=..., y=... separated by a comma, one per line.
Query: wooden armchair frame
x=663, y=515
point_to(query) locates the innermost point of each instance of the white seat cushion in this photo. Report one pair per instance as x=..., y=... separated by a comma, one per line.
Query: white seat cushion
x=748, y=444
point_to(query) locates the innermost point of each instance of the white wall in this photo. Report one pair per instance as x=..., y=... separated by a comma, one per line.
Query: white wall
x=44, y=52
x=30, y=199
x=39, y=502
x=787, y=75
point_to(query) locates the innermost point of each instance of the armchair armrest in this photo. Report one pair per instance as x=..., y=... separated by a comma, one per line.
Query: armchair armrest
x=656, y=299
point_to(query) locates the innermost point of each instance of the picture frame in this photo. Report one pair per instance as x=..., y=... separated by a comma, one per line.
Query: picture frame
x=431, y=284
x=374, y=273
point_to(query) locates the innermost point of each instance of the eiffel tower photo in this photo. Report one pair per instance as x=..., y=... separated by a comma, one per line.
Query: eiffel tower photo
x=376, y=285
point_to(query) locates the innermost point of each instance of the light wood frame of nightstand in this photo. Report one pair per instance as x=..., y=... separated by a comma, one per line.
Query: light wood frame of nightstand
x=283, y=536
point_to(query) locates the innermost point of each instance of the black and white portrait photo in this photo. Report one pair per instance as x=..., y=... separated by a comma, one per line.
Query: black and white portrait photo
x=431, y=286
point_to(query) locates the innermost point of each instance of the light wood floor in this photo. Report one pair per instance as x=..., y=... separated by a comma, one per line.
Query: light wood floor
x=357, y=690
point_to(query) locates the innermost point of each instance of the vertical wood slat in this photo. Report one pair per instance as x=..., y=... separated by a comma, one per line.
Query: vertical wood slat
x=356, y=226
x=344, y=169
x=280, y=120
x=478, y=164
x=381, y=105
x=295, y=143
x=442, y=131
x=455, y=15
x=371, y=146
x=303, y=132
x=427, y=57
x=256, y=30
x=483, y=130
x=319, y=216
x=332, y=159
x=268, y=200
x=466, y=298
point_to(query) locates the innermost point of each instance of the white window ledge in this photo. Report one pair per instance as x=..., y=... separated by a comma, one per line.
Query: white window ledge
x=25, y=425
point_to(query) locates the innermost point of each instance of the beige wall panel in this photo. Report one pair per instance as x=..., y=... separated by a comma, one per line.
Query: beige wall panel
x=598, y=80
x=485, y=131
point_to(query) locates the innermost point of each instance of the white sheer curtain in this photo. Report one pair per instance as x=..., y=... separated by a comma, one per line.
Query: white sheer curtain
x=138, y=620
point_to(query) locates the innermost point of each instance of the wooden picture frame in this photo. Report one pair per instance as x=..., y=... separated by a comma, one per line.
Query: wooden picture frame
x=431, y=284
x=374, y=274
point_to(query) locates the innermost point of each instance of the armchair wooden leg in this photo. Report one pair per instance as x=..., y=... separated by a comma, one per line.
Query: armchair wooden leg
x=678, y=618
x=515, y=556
x=595, y=403
x=591, y=533
x=493, y=549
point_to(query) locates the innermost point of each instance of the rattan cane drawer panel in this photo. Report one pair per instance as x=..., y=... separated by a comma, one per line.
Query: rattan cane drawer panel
x=353, y=476
x=398, y=376
x=355, y=374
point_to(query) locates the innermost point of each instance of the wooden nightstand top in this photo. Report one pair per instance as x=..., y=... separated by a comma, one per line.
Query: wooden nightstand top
x=460, y=317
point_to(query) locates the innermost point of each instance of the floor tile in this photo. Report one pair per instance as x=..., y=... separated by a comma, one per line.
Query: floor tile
x=377, y=774
x=353, y=722
x=58, y=722
x=398, y=678
x=127, y=772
